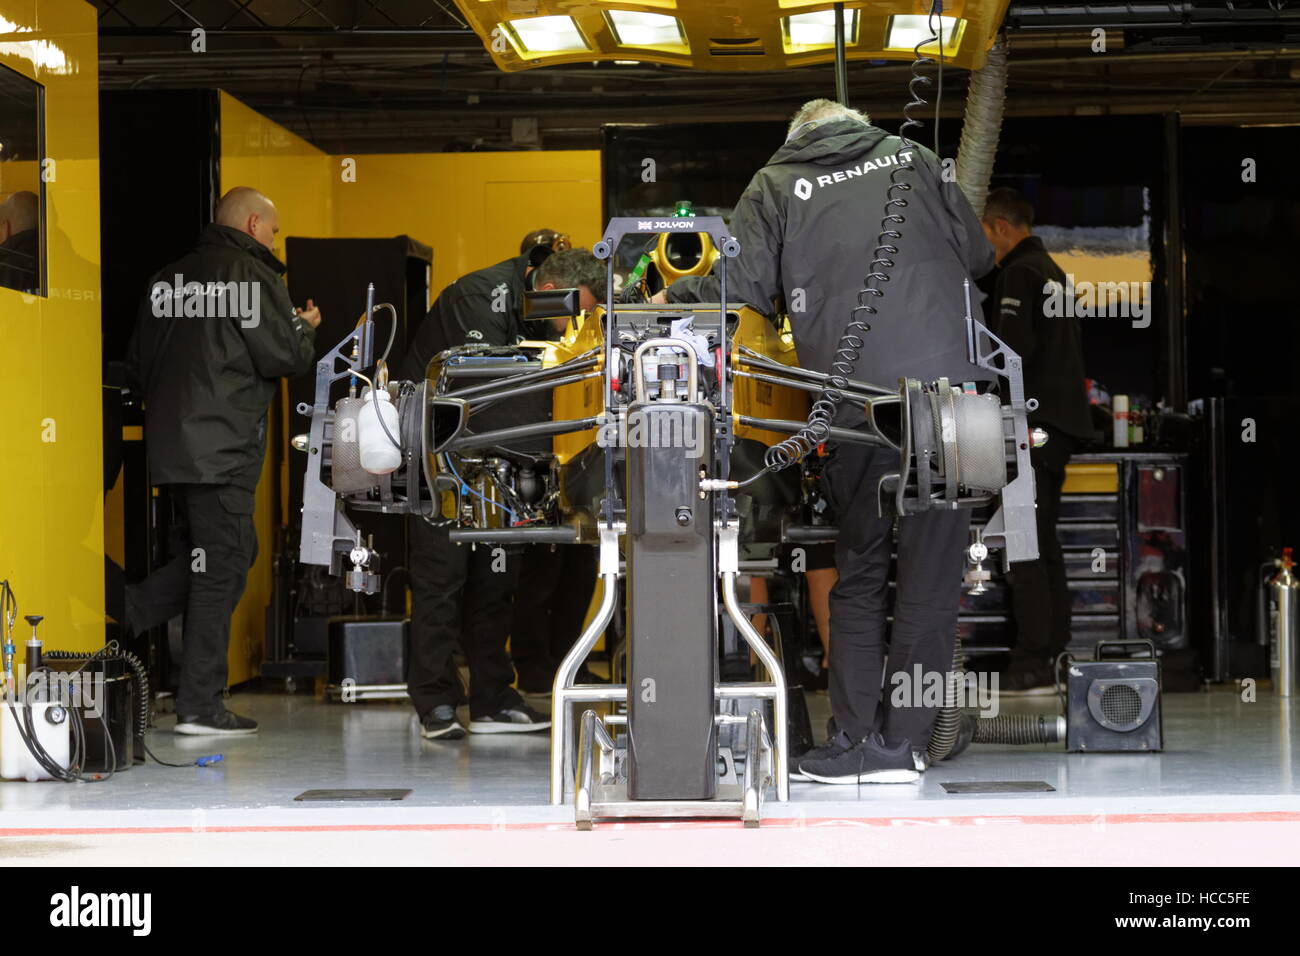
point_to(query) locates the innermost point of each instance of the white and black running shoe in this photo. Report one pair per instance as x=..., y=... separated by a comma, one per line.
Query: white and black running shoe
x=441, y=724
x=224, y=724
x=520, y=719
x=868, y=761
x=837, y=744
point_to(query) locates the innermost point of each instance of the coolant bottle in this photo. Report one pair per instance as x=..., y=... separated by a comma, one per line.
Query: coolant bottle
x=379, y=453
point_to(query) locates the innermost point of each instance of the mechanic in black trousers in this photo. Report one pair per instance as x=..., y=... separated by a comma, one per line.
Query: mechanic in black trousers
x=561, y=578
x=214, y=336
x=1051, y=349
x=460, y=592
x=808, y=224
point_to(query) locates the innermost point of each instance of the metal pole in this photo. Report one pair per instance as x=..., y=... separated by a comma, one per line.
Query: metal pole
x=841, y=68
x=1174, y=337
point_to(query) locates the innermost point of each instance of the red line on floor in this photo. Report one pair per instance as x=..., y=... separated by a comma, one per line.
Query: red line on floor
x=788, y=823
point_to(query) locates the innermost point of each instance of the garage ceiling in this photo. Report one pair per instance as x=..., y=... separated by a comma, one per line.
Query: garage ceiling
x=410, y=75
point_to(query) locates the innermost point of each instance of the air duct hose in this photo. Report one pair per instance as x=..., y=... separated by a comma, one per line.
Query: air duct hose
x=1006, y=729
x=1019, y=729
x=947, y=725
x=981, y=126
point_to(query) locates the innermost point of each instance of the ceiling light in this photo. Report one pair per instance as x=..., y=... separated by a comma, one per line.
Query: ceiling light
x=645, y=29
x=546, y=35
x=808, y=31
x=906, y=31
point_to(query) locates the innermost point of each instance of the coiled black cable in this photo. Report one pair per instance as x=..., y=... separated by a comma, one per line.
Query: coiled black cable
x=799, y=445
x=144, y=711
x=144, y=699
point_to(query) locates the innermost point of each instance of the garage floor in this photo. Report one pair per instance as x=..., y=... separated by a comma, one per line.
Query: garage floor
x=1233, y=796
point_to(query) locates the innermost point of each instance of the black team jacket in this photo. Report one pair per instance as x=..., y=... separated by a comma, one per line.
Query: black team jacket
x=210, y=369
x=808, y=224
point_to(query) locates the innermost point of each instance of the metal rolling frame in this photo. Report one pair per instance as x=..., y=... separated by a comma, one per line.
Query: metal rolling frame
x=763, y=747
x=564, y=692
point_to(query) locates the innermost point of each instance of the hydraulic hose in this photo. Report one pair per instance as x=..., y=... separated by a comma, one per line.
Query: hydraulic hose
x=981, y=126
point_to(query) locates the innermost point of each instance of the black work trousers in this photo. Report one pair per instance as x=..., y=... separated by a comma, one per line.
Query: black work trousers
x=556, y=584
x=1040, y=596
x=460, y=593
x=204, y=581
x=931, y=555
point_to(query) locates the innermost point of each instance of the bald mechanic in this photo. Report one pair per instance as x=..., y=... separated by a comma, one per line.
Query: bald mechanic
x=214, y=336
x=808, y=223
x=20, y=248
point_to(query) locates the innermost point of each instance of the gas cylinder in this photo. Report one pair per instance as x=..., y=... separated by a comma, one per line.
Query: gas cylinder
x=1283, y=621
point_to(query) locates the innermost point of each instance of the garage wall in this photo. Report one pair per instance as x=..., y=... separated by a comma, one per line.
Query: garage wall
x=472, y=208
x=51, y=496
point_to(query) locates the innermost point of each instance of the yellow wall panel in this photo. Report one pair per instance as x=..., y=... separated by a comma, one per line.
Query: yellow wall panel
x=260, y=153
x=51, y=476
x=472, y=208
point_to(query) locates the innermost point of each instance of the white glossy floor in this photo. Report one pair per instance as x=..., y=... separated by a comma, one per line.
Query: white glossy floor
x=1226, y=790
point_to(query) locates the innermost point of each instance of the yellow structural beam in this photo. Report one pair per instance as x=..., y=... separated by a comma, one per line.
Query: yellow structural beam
x=51, y=471
x=728, y=35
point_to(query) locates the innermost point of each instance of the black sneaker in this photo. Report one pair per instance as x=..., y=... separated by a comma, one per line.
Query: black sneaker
x=224, y=724
x=520, y=719
x=441, y=723
x=869, y=761
x=837, y=744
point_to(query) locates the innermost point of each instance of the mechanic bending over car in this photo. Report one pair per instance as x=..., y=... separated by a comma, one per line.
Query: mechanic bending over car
x=456, y=592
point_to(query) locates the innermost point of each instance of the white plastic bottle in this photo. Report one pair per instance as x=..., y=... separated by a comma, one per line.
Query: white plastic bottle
x=379, y=455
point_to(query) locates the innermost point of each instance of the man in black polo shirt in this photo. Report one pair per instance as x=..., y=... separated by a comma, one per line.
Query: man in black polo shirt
x=1052, y=352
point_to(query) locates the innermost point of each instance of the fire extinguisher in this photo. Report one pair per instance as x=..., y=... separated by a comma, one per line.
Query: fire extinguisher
x=1283, y=618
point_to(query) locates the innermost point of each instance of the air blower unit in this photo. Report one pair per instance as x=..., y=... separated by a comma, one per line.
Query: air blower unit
x=1113, y=702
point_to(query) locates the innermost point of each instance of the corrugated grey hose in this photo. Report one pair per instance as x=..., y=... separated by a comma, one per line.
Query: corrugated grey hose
x=981, y=126
x=1019, y=729
x=948, y=722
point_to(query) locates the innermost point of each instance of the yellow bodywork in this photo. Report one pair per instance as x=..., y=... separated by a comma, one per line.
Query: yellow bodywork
x=756, y=399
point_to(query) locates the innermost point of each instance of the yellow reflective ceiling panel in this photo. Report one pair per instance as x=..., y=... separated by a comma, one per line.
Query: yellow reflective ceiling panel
x=728, y=35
